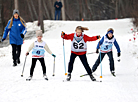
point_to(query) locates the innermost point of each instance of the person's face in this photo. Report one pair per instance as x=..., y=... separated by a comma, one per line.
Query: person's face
x=16, y=16
x=78, y=32
x=39, y=38
x=58, y=0
x=110, y=35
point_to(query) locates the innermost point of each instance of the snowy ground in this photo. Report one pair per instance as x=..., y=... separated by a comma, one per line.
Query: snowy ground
x=122, y=88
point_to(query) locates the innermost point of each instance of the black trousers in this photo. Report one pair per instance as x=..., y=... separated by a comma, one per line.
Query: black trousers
x=16, y=51
x=111, y=60
x=83, y=60
x=34, y=63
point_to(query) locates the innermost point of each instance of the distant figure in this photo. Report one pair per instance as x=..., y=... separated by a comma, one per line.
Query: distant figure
x=58, y=6
x=16, y=28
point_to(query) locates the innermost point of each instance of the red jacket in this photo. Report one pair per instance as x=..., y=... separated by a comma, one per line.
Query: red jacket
x=85, y=38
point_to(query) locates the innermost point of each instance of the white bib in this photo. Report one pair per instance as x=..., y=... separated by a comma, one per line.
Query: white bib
x=80, y=46
x=38, y=50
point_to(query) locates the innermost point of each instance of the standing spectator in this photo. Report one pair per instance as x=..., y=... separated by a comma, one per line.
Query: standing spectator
x=16, y=28
x=58, y=6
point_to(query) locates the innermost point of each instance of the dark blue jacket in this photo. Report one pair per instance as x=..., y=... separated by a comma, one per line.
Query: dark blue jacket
x=59, y=4
x=15, y=32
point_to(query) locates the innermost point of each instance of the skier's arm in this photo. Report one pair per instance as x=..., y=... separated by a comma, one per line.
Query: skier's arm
x=87, y=38
x=6, y=30
x=68, y=36
x=100, y=43
x=117, y=46
x=47, y=49
x=31, y=47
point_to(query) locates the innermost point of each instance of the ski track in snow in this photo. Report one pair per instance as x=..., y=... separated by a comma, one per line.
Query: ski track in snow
x=122, y=88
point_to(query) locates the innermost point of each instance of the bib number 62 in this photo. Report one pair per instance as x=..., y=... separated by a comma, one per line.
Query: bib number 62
x=80, y=45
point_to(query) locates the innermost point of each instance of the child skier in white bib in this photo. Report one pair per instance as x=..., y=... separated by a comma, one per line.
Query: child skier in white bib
x=79, y=48
x=38, y=49
x=105, y=46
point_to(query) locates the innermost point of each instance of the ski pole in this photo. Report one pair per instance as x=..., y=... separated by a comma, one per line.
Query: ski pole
x=91, y=53
x=54, y=67
x=64, y=57
x=23, y=66
x=100, y=59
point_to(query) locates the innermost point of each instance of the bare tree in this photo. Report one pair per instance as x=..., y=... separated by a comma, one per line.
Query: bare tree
x=41, y=15
x=1, y=25
x=63, y=10
x=16, y=4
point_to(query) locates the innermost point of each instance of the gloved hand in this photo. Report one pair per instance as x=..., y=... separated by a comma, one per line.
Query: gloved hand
x=2, y=39
x=22, y=35
x=98, y=37
x=118, y=54
x=63, y=33
x=27, y=53
x=53, y=55
x=97, y=51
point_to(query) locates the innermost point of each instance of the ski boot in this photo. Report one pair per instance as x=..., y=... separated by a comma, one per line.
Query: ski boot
x=92, y=77
x=113, y=73
x=68, y=77
x=29, y=78
x=45, y=77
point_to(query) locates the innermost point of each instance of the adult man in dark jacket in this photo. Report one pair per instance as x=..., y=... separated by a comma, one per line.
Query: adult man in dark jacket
x=58, y=6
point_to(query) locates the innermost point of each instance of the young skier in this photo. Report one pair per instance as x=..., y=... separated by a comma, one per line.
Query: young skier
x=106, y=44
x=79, y=48
x=38, y=51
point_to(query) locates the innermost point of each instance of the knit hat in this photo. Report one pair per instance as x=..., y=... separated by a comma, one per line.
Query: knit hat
x=110, y=30
x=15, y=11
x=38, y=33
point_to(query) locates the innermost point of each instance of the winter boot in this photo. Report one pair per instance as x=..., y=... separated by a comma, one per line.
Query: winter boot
x=29, y=78
x=14, y=63
x=68, y=77
x=45, y=77
x=92, y=78
x=18, y=61
x=113, y=73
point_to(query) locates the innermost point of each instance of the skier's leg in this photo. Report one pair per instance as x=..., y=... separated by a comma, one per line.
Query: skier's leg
x=111, y=60
x=71, y=62
x=98, y=62
x=33, y=66
x=43, y=65
x=85, y=63
x=14, y=56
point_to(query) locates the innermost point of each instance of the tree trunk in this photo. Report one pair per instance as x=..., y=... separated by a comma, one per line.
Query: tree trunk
x=30, y=10
x=35, y=13
x=46, y=10
x=41, y=15
x=51, y=9
x=1, y=24
x=16, y=4
x=116, y=9
x=63, y=11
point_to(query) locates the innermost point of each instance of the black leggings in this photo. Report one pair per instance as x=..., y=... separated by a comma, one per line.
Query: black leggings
x=34, y=63
x=16, y=51
x=83, y=59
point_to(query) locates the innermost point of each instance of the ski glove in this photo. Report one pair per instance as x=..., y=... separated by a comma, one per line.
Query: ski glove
x=63, y=33
x=97, y=51
x=98, y=37
x=22, y=35
x=2, y=39
x=27, y=53
x=53, y=55
x=118, y=54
